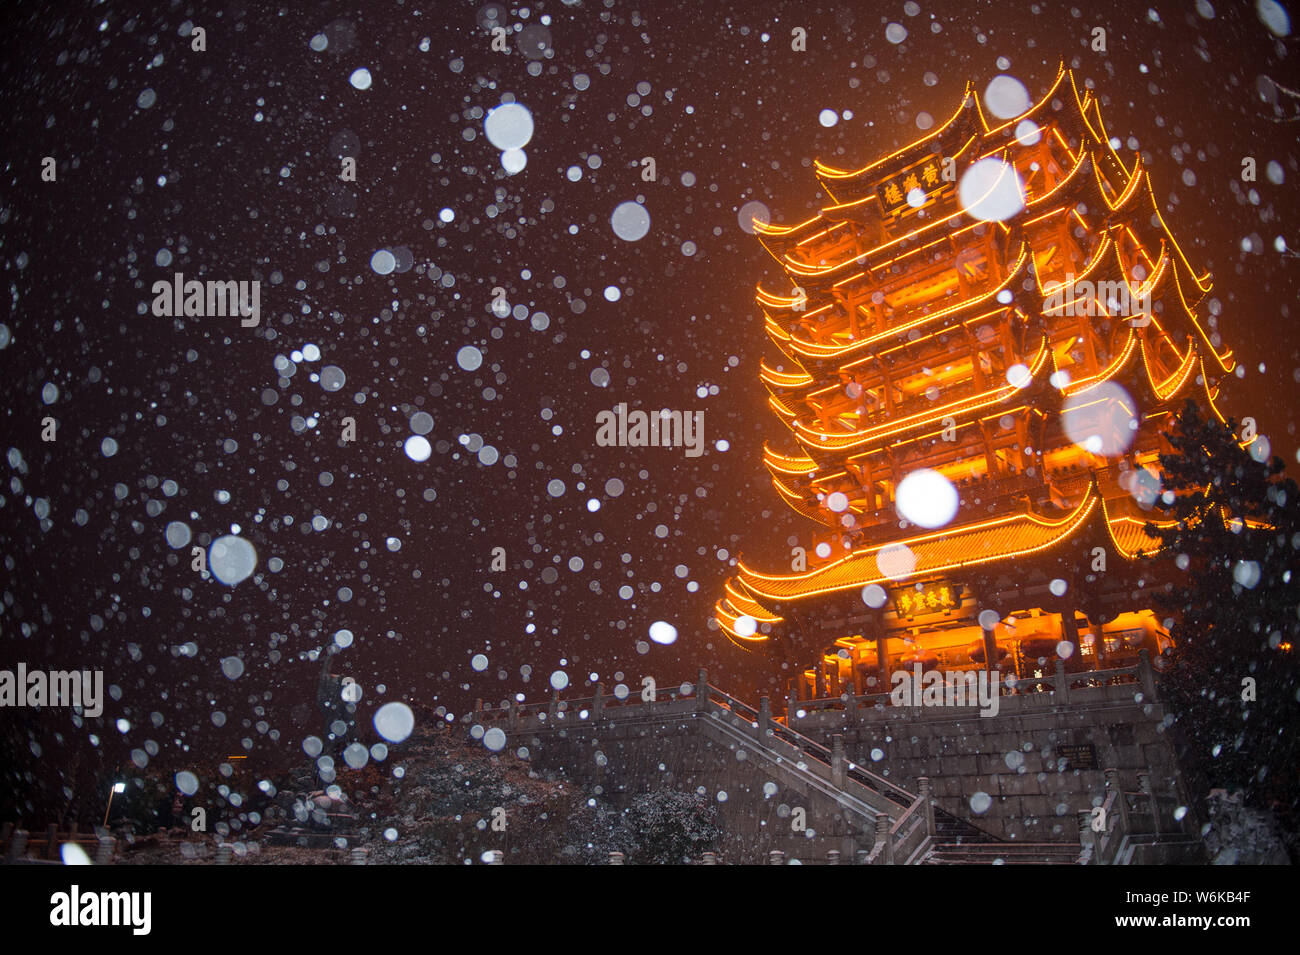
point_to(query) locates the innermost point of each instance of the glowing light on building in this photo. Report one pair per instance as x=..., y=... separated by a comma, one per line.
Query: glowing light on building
x=968, y=394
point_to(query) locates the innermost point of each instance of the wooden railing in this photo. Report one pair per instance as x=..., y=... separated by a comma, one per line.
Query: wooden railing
x=19, y=847
x=1049, y=690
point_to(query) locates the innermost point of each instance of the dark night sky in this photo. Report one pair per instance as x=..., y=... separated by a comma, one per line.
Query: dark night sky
x=233, y=170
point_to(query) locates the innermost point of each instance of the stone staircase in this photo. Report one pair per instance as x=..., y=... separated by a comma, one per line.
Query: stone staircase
x=863, y=818
x=883, y=823
x=714, y=740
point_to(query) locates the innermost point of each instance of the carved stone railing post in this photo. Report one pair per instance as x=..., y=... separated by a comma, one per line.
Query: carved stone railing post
x=1121, y=800
x=17, y=846
x=598, y=704
x=1062, y=684
x=837, y=760
x=1147, y=676
x=923, y=790
x=105, y=849
x=1088, y=840
x=1144, y=783
x=884, y=835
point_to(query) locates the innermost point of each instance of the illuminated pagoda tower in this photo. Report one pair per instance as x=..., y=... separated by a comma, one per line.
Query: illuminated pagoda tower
x=981, y=340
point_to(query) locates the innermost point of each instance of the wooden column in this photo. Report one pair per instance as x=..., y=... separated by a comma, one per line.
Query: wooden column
x=990, y=458
x=1099, y=643
x=978, y=373
x=1070, y=629
x=990, y=649
x=855, y=325
x=882, y=661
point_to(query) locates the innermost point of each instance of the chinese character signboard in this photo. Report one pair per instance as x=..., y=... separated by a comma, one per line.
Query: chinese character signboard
x=934, y=599
x=912, y=188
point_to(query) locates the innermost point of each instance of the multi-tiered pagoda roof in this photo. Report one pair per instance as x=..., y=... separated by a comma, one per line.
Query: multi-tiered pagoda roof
x=938, y=316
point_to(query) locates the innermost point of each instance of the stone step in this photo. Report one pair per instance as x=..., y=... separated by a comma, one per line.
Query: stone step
x=945, y=861
x=1008, y=853
x=1010, y=846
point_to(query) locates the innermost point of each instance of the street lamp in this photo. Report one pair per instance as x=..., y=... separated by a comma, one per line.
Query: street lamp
x=117, y=788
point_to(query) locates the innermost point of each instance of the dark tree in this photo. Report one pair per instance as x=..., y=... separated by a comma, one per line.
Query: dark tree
x=671, y=827
x=659, y=827
x=1232, y=679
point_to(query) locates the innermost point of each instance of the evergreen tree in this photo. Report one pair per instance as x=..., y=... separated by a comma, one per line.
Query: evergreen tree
x=672, y=827
x=1232, y=682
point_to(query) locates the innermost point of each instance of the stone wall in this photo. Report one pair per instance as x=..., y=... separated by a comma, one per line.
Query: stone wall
x=1014, y=757
x=1017, y=760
